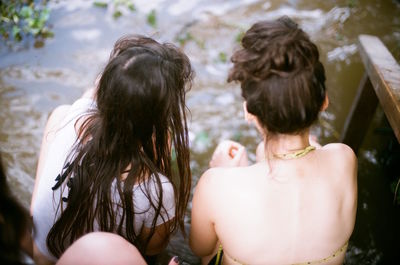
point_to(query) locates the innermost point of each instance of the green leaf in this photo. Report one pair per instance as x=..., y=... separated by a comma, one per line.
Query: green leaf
x=182, y=39
x=26, y=11
x=4, y=33
x=15, y=18
x=222, y=57
x=16, y=31
x=351, y=3
x=5, y=19
x=24, y=18
x=39, y=24
x=100, y=4
x=117, y=14
x=239, y=36
x=38, y=44
x=151, y=18
x=44, y=15
x=35, y=31
x=46, y=33
x=30, y=22
x=131, y=7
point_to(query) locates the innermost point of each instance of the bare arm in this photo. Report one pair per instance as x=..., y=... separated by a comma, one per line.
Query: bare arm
x=345, y=180
x=203, y=237
x=158, y=241
x=52, y=125
x=53, y=122
x=348, y=160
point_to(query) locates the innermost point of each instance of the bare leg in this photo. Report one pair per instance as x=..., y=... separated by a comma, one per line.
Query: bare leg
x=103, y=248
x=100, y=248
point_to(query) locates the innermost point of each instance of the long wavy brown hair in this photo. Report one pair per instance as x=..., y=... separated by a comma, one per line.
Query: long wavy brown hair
x=140, y=117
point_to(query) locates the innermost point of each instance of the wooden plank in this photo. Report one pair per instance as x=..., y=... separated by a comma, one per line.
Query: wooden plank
x=361, y=114
x=384, y=73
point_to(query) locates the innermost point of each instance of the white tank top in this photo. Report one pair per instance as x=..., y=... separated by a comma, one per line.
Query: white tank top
x=46, y=201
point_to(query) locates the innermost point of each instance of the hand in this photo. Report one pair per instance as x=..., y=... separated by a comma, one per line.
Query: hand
x=229, y=154
x=174, y=261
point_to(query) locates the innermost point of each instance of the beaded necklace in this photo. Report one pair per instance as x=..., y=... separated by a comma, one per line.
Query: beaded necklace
x=296, y=154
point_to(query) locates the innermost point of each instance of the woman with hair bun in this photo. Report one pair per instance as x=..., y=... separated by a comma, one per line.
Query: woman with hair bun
x=297, y=204
x=106, y=160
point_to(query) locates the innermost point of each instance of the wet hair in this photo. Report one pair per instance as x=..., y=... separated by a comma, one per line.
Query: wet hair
x=140, y=118
x=15, y=223
x=282, y=79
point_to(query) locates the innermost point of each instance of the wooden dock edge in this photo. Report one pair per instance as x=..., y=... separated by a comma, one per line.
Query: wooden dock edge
x=381, y=82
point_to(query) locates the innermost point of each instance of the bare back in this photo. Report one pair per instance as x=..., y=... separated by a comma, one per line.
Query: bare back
x=302, y=210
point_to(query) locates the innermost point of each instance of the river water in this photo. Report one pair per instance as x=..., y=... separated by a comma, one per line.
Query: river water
x=33, y=81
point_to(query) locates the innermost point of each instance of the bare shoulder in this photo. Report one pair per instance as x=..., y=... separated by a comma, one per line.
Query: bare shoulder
x=212, y=177
x=215, y=180
x=55, y=118
x=340, y=151
x=341, y=158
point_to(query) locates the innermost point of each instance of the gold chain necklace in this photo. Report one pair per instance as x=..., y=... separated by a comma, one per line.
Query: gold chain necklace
x=297, y=154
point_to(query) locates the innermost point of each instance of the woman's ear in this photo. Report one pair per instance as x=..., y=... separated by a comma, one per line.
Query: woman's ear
x=245, y=111
x=325, y=104
x=247, y=116
x=250, y=118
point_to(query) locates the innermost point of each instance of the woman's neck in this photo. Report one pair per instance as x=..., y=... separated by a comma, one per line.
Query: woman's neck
x=281, y=144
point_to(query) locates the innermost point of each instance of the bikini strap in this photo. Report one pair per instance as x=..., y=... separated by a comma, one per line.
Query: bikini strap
x=218, y=260
x=340, y=250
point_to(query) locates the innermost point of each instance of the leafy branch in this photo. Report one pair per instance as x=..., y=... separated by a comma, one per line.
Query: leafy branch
x=19, y=19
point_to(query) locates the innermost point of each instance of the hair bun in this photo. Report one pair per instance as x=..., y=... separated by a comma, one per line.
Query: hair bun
x=281, y=76
x=277, y=50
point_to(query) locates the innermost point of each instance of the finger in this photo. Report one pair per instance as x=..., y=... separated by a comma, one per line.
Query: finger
x=224, y=147
x=233, y=151
x=239, y=154
x=174, y=261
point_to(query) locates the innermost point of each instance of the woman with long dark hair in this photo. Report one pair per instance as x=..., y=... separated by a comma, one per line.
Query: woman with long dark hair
x=106, y=161
x=297, y=204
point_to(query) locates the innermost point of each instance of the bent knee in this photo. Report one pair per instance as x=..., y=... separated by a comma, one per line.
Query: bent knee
x=100, y=248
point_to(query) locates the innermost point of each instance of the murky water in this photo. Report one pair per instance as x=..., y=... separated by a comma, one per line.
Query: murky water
x=34, y=81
